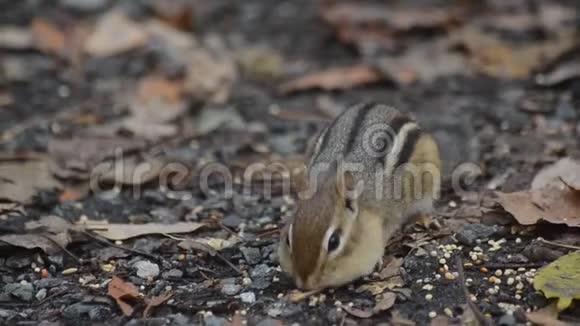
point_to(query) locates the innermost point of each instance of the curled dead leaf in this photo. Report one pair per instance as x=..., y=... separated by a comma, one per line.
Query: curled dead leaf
x=340, y=78
x=385, y=303
x=114, y=34
x=124, y=294
x=151, y=303
x=126, y=231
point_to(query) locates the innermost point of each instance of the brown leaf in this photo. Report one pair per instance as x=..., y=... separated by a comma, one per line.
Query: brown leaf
x=84, y=153
x=48, y=37
x=499, y=58
x=123, y=293
x=392, y=268
x=547, y=316
x=386, y=302
x=153, y=302
x=210, y=75
x=158, y=99
x=177, y=13
x=380, y=286
x=127, y=231
x=554, y=204
x=21, y=180
x=334, y=79
x=114, y=34
x=34, y=241
x=554, y=197
x=127, y=171
x=157, y=102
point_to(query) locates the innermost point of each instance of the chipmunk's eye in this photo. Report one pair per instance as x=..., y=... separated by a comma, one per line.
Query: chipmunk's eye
x=334, y=241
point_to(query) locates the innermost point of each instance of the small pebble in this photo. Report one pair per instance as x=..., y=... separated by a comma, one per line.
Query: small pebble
x=428, y=296
x=484, y=270
x=449, y=276
x=472, y=297
x=498, y=273
x=442, y=261
x=510, y=281
x=518, y=240
x=520, y=286
x=248, y=297
x=433, y=253
x=432, y=314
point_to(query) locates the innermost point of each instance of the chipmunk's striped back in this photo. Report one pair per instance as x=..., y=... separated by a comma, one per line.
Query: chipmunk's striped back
x=371, y=138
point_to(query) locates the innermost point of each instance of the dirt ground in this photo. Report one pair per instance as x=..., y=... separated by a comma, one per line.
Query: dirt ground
x=505, y=106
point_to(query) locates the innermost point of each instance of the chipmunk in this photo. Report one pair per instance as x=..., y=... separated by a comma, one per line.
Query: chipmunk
x=369, y=170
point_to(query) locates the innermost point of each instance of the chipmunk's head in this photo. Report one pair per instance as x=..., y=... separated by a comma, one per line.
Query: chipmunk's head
x=331, y=241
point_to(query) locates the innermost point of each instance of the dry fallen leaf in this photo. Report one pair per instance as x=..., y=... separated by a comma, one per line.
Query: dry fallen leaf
x=127, y=171
x=123, y=293
x=547, y=316
x=153, y=302
x=37, y=241
x=392, y=268
x=158, y=99
x=127, y=231
x=554, y=204
x=49, y=37
x=334, y=79
x=114, y=34
x=210, y=75
x=554, y=196
x=21, y=180
x=157, y=102
x=379, y=287
x=490, y=55
x=84, y=153
x=371, y=24
x=177, y=13
x=385, y=303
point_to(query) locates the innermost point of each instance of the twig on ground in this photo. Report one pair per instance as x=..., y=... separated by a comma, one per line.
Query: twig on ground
x=73, y=256
x=268, y=232
x=478, y=314
x=504, y=266
x=560, y=244
x=108, y=243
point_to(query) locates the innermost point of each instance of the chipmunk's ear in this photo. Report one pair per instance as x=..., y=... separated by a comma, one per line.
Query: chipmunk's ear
x=348, y=190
